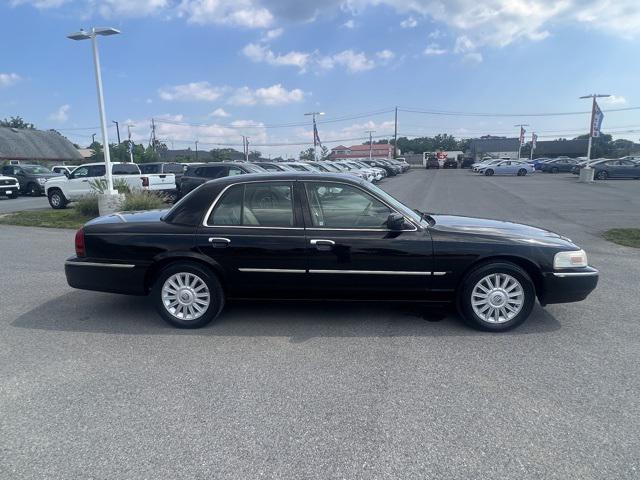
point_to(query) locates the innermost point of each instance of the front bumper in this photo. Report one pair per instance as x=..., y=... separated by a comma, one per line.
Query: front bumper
x=100, y=276
x=6, y=190
x=567, y=286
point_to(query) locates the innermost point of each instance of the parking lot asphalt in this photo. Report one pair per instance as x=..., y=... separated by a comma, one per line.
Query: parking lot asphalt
x=8, y=205
x=98, y=386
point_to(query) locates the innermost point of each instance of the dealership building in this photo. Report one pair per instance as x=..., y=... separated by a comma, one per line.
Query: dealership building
x=355, y=152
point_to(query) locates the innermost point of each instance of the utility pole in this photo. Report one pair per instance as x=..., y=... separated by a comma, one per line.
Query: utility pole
x=315, y=132
x=130, y=143
x=395, y=136
x=587, y=176
x=196, y=150
x=370, y=132
x=521, y=137
x=153, y=134
x=246, y=154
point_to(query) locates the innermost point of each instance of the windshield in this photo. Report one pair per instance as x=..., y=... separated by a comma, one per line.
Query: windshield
x=173, y=168
x=36, y=169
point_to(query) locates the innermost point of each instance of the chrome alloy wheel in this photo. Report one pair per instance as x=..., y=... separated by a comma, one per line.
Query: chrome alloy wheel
x=185, y=296
x=497, y=298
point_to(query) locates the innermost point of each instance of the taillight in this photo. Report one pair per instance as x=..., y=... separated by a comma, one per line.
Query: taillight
x=80, y=249
x=145, y=181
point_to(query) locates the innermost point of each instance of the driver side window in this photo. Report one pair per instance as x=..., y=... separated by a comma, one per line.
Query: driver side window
x=336, y=205
x=81, y=172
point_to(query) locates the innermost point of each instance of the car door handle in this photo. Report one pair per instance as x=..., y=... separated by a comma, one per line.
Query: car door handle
x=322, y=244
x=219, y=242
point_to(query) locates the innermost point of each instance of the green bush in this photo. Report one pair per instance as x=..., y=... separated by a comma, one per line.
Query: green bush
x=99, y=185
x=88, y=206
x=141, y=200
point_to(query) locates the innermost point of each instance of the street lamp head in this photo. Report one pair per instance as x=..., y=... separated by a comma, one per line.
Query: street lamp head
x=106, y=31
x=84, y=35
x=81, y=35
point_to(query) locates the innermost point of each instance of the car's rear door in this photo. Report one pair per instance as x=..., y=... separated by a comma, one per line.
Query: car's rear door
x=254, y=230
x=352, y=253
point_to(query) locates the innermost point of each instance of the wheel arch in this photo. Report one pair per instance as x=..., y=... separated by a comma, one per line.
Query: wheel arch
x=163, y=261
x=532, y=269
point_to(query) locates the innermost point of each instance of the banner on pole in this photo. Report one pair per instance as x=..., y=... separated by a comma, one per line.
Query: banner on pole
x=534, y=140
x=522, y=132
x=596, y=120
x=316, y=137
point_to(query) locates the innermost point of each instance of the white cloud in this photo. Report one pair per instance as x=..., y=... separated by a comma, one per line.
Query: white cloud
x=194, y=91
x=409, y=22
x=220, y=113
x=353, y=61
x=435, y=35
x=271, y=34
x=385, y=55
x=261, y=53
x=39, y=4
x=62, y=114
x=349, y=24
x=245, y=13
x=614, y=100
x=9, y=79
x=464, y=44
x=131, y=8
x=434, y=49
x=472, y=57
x=274, y=95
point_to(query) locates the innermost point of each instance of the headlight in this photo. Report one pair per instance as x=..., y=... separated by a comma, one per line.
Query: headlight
x=42, y=180
x=573, y=259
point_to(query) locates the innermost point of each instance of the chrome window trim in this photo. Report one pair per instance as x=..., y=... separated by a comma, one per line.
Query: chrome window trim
x=97, y=264
x=215, y=201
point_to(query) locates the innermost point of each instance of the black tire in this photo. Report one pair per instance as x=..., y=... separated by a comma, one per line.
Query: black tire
x=488, y=172
x=555, y=170
x=33, y=190
x=216, y=294
x=57, y=200
x=475, y=276
x=522, y=172
x=602, y=175
x=13, y=196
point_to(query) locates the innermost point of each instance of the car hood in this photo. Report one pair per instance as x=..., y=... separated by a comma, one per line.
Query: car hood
x=129, y=217
x=497, y=229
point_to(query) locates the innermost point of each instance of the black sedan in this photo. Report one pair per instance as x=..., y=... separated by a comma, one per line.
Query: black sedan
x=323, y=236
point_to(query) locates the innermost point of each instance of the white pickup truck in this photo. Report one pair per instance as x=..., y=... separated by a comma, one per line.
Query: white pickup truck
x=62, y=190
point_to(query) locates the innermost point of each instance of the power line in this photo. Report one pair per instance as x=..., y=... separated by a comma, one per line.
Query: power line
x=484, y=114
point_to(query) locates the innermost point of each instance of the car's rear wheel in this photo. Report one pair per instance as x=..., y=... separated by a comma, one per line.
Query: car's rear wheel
x=496, y=297
x=33, y=190
x=522, y=172
x=555, y=170
x=602, y=175
x=188, y=295
x=57, y=200
x=488, y=172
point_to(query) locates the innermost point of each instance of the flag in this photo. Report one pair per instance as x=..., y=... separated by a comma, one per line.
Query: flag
x=534, y=140
x=522, y=132
x=596, y=120
x=316, y=137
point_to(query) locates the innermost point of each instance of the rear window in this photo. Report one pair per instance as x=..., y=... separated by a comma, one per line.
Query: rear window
x=125, y=169
x=173, y=168
x=150, y=168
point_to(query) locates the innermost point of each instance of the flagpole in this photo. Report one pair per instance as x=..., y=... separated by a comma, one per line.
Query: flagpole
x=521, y=138
x=533, y=145
x=315, y=130
x=586, y=173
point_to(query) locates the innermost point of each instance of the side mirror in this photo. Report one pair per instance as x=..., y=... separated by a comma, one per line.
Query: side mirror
x=66, y=173
x=395, y=222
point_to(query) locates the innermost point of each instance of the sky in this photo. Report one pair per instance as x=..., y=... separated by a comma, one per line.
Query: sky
x=214, y=70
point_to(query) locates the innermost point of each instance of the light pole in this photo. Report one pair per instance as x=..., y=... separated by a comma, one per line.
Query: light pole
x=315, y=132
x=521, y=137
x=370, y=132
x=587, y=176
x=92, y=35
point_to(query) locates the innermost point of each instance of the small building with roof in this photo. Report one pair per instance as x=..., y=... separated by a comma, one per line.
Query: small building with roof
x=36, y=146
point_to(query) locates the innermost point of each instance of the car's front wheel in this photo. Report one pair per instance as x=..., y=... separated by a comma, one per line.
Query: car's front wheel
x=188, y=295
x=488, y=172
x=33, y=190
x=496, y=297
x=57, y=200
x=602, y=175
x=522, y=172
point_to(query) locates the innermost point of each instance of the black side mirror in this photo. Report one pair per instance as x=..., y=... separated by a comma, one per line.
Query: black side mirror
x=395, y=221
x=66, y=173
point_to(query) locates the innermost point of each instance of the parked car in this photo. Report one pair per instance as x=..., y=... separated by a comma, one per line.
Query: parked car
x=558, y=165
x=9, y=187
x=198, y=174
x=616, y=169
x=274, y=166
x=507, y=167
x=466, y=162
x=537, y=162
x=404, y=166
x=164, y=167
x=300, y=235
x=450, y=163
x=391, y=170
x=63, y=169
x=494, y=161
x=31, y=178
x=61, y=190
x=432, y=162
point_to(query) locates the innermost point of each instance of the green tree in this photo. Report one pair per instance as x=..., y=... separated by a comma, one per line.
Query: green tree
x=307, y=154
x=601, y=146
x=16, y=122
x=223, y=154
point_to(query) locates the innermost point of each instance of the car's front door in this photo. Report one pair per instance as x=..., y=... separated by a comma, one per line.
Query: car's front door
x=353, y=254
x=78, y=183
x=254, y=231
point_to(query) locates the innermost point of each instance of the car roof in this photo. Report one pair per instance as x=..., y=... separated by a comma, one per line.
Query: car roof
x=286, y=176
